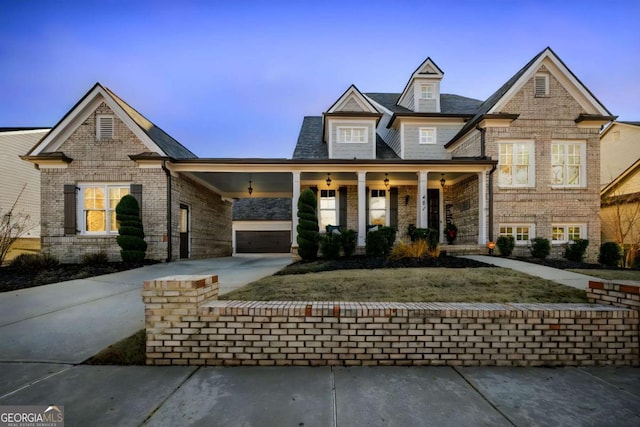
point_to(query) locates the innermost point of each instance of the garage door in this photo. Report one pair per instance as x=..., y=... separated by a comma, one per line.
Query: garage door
x=263, y=242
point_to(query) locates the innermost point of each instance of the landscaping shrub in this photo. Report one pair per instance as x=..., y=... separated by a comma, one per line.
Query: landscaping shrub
x=308, y=234
x=349, y=240
x=417, y=249
x=576, y=250
x=610, y=254
x=540, y=247
x=389, y=234
x=33, y=262
x=505, y=245
x=130, y=230
x=376, y=244
x=330, y=245
x=98, y=258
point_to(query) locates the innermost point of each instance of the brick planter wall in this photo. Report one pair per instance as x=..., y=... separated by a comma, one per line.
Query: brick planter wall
x=184, y=328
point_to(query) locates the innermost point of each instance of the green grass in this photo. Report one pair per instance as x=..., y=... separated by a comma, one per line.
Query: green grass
x=409, y=285
x=610, y=274
x=129, y=351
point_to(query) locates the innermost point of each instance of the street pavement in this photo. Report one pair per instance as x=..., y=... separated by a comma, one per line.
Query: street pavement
x=46, y=333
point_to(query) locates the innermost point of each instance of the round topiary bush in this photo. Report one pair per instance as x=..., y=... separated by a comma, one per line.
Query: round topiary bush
x=505, y=245
x=130, y=230
x=540, y=247
x=576, y=250
x=610, y=254
x=308, y=230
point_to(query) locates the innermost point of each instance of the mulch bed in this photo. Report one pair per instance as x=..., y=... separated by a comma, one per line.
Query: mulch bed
x=11, y=279
x=363, y=262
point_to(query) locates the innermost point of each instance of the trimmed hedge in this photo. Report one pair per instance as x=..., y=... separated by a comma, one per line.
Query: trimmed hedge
x=308, y=230
x=130, y=230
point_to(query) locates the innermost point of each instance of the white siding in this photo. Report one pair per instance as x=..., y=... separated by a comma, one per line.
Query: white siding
x=16, y=173
x=390, y=136
x=414, y=150
x=352, y=150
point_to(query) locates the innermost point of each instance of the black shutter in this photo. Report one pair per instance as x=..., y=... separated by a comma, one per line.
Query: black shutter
x=393, y=209
x=136, y=192
x=342, y=209
x=70, y=209
x=366, y=208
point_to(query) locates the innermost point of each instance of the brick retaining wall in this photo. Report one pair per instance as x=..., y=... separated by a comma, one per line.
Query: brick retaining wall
x=186, y=325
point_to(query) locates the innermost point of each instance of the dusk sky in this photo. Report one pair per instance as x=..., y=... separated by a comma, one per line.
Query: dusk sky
x=235, y=79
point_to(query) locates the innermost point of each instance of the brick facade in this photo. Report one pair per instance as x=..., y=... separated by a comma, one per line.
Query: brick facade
x=108, y=162
x=187, y=326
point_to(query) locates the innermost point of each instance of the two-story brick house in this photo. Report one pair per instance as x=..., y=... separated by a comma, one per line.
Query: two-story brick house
x=524, y=162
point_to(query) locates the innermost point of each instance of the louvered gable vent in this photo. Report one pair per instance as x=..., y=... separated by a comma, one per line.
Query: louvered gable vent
x=105, y=127
x=541, y=85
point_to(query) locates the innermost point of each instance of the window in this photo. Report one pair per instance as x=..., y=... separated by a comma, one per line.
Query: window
x=378, y=207
x=104, y=127
x=563, y=233
x=426, y=91
x=97, y=204
x=427, y=136
x=328, y=208
x=541, y=82
x=516, y=165
x=567, y=164
x=352, y=135
x=521, y=233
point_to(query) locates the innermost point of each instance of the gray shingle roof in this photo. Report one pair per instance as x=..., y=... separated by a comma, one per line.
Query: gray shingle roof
x=262, y=209
x=311, y=147
x=449, y=103
x=630, y=123
x=170, y=146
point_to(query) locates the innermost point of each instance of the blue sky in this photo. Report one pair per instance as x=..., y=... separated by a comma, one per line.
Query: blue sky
x=235, y=79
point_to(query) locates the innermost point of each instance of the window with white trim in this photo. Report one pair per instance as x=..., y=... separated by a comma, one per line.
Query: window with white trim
x=427, y=135
x=567, y=164
x=378, y=207
x=97, y=204
x=426, y=91
x=352, y=135
x=563, y=233
x=328, y=208
x=541, y=83
x=516, y=164
x=104, y=127
x=522, y=233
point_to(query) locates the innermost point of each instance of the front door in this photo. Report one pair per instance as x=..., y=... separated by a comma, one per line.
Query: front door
x=184, y=231
x=433, y=209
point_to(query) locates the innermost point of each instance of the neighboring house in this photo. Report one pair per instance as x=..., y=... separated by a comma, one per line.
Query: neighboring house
x=21, y=183
x=620, y=177
x=524, y=162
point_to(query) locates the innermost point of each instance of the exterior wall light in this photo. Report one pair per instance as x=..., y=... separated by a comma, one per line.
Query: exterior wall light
x=442, y=180
x=328, y=180
x=386, y=180
x=250, y=189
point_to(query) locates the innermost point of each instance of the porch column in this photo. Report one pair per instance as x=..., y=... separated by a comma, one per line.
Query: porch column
x=362, y=207
x=423, y=212
x=482, y=208
x=294, y=209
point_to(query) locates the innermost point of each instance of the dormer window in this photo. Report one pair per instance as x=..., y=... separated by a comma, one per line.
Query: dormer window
x=426, y=91
x=104, y=127
x=541, y=82
x=348, y=135
x=427, y=135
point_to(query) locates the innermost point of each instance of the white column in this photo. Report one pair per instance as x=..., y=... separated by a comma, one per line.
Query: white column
x=482, y=209
x=362, y=207
x=294, y=209
x=423, y=212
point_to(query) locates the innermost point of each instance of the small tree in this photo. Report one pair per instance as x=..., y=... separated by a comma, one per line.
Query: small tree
x=12, y=226
x=131, y=233
x=308, y=230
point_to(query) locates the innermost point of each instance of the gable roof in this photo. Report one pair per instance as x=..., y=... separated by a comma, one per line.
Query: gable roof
x=617, y=181
x=503, y=94
x=154, y=138
x=352, y=94
x=618, y=123
x=421, y=71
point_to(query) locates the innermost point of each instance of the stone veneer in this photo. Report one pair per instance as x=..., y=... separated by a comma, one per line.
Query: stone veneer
x=187, y=326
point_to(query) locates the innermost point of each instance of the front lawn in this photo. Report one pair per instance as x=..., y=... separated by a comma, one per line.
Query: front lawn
x=483, y=284
x=610, y=274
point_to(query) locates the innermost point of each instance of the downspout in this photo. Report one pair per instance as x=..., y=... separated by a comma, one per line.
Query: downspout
x=169, y=219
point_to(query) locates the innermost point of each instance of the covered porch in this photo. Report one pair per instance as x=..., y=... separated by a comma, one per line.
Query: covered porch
x=356, y=194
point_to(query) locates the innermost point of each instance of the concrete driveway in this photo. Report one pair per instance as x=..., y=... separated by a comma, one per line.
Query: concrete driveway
x=69, y=322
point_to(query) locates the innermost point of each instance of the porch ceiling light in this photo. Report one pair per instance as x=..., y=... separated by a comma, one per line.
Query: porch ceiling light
x=250, y=189
x=328, y=180
x=442, y=180
x=386, y=180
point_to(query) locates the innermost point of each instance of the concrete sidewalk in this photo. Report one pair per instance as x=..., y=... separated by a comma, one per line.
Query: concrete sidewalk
x=69, y=322
x=569, y=278
x=303, y=396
